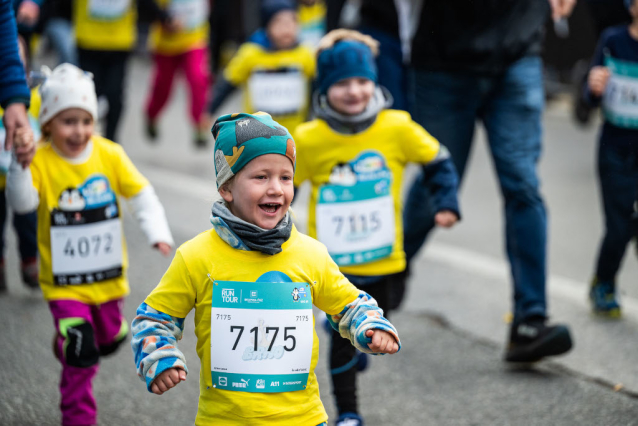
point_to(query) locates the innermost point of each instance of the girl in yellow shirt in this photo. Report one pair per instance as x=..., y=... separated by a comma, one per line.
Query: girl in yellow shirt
x=74, y=181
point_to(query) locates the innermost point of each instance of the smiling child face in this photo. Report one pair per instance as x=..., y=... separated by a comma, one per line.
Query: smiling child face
x=70, y=131
x=262, y=191
x=350, y=96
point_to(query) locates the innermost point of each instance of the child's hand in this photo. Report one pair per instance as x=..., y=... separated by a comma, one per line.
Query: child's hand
x=382, y=342
x=597, y=80
x=168, y=379
x=445, y=218
x=24, y=146
x=163, y=248
x=173, y=25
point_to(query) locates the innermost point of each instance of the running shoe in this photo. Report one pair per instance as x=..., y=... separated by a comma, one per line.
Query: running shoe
x=30, y=273
x=532, y=339
x=603, y=299
x=349, y=419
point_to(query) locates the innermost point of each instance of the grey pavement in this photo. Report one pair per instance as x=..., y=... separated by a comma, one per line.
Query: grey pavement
x=453, y=323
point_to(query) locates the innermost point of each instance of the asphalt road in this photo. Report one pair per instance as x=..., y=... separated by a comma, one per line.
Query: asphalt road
x=453, y=324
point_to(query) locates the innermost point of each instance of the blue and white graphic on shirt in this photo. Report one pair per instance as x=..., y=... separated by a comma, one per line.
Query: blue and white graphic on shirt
x=620, y=101
x=191, y=13
x=108, y=10
x=355, y=211
x=261, y=334
x=6, y=156
x=86, y=234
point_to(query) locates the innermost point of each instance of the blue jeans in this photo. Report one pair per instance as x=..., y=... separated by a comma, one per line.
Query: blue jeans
x=59, y=31
x=618, y=177
x=510, y=107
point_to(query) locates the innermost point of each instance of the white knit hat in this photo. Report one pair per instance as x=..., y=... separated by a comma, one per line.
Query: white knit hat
x=67, y=87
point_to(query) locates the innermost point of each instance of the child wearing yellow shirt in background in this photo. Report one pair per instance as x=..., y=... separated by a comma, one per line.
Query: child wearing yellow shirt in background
x=252, y=281
x=180, y=44
x=74, y=182
x=272, y=69
x=354, y=155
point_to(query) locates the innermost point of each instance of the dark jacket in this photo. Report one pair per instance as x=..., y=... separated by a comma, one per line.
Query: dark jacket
x=13, y=83
x=478, y=36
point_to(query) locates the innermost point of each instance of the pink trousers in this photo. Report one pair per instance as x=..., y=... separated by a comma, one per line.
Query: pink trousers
x=84, y=332
x=194, y=64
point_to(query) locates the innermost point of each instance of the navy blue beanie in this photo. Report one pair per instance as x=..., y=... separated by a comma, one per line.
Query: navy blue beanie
x=346, y=59
x=270, y=8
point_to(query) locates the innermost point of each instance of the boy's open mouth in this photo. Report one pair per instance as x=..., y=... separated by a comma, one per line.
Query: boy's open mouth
x=270, y=207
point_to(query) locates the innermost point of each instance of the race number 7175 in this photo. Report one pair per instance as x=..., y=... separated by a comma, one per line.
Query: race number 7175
x=270, y=331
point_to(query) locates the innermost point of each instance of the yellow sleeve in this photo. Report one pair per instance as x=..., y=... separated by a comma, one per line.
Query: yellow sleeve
x=419, y=146
x=333, y=291
x=240, y=66
x=310, y=66
x=175, y=294
x=36, y=177
x=130, y=180
x=302, y=168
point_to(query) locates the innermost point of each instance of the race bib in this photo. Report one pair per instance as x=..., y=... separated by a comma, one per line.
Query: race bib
x=192, y=13
x=108, y=9
x=86, y=247
x=261, y=336
x=620, y=101
x=355, y=217
x=278, y=92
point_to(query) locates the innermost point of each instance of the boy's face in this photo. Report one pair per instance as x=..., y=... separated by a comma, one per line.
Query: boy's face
x=350, y=96
x=262, y=191
x=282, y=29
x=70, y=131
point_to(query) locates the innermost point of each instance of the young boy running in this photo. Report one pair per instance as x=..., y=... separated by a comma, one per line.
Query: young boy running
x=354, y=155
x=252, y=280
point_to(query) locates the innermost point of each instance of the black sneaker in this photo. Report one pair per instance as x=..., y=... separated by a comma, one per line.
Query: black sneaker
x=532, y=340
x=151, y=130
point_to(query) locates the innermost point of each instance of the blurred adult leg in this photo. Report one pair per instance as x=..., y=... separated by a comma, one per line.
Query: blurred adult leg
x=114, y=90
x=446, y=105
x=59, y=31
x=513, y=122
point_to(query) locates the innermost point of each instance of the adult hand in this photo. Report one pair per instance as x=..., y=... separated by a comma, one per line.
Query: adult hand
x=445, y=218
x=597, y=80
x=28, y=13
x=15, y=117
x=561, y=8
x=168, y=379
x=382, y=342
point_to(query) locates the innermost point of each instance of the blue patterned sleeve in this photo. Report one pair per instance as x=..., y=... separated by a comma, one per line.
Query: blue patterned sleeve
x=154, y=343
x=359, y=316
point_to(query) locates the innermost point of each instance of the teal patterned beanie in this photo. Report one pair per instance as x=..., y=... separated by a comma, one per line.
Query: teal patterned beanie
x=241, y=137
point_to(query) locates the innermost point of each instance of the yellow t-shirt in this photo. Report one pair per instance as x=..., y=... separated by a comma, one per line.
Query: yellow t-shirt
x=194, y=16
x=277, y=82
x=186, y=284
x=83, y=194
x=105, y=24
x=312, y=22
x=363, y=171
